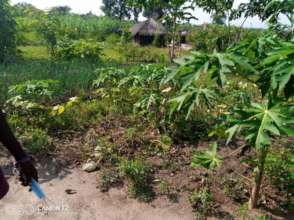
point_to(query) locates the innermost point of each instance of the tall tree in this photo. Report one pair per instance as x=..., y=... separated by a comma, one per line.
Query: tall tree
x=269, y=10
x=60, y=10
x=24, y=9
x=172, y=12
x=220, y=9
x=116, y=9
x=8, y=31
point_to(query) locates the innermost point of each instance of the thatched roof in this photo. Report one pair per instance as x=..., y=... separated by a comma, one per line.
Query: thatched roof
x=149, y=27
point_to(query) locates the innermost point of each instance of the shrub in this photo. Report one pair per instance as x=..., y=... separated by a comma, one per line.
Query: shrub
x=83, y=49
x=77, y=116
x=208, y=159
x=8, y=31
x=202, y=203
x=137, y=54
x=113, y=39
x=109, y=178
x=217, y=37
x=139, y=175
x=235, y=189
x=35, y=90
x=36, y=140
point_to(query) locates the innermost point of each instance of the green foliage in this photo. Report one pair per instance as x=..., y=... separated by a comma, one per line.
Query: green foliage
x=82, y=49
x=191, y=98
x=209, y=159
x=74, y=77
x=109, y=179
x=261, y=121
x=278, y=70
x=202, y=203
x=35, y=90
x=136, y=54
x=47, y=29
x=8, y=31
x=139, y=175
x=116, y=9
x=279, y=167
x=235, y=188
x=216, y=37
x=36, y=140
x=108, y=77
x=113, y=39
x=215, y=66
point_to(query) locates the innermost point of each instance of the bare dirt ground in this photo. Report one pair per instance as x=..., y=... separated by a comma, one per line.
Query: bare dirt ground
x=74, y=195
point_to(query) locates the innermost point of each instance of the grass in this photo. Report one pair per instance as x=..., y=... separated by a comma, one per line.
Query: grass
x=74, y=77
x=34, y=52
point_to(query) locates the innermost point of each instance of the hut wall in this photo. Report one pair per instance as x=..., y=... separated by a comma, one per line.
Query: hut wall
x=144, y=40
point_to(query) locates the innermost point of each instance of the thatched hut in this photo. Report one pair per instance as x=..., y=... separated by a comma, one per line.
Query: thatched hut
x=149, y=31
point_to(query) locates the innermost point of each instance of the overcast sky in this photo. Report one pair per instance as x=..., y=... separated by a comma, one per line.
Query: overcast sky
x=84, y=6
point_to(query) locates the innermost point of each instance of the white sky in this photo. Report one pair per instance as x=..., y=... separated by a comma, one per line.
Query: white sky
x=85, y=6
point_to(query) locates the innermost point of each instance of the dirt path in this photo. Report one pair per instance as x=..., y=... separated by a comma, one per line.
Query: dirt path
x=86, y=204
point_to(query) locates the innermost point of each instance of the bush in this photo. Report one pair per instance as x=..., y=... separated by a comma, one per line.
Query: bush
x=138, y=54
x=279, y=167
x=202, y=203
x=35, y=90
x=36, y=140
x=82, y=49
x=7, y=33
x=139, y=175
x=217, y=37
x=109, y=178
x=113, y=39
x=76, y=117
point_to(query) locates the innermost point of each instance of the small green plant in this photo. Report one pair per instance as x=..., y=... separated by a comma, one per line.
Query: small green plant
x=109, y=178
x=202, y=203
x=235, y=189
x=243, y=212
x=35, y=90
x=208, y=159
x=88, y=50
x=139, y=175
x=164, y=188
x=36, y=140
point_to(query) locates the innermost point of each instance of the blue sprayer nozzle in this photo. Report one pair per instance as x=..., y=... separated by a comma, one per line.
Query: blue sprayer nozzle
x=37, y=189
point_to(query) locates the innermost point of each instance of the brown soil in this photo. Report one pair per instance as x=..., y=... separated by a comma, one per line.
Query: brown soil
x=77, y=192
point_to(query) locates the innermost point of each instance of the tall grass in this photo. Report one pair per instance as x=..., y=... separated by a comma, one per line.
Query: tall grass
x=74, y=77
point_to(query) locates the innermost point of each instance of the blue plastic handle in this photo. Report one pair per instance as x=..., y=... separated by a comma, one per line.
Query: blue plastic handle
x=37, y=189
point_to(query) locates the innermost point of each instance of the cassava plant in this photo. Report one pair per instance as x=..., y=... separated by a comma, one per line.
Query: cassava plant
x=268, y=63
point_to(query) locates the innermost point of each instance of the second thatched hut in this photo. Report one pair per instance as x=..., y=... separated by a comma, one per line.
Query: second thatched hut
x=149, y=32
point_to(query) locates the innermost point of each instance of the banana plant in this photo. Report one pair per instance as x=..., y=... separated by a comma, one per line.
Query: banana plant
x=260, y=123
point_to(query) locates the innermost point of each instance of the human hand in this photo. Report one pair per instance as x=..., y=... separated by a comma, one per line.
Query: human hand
x=27, y=172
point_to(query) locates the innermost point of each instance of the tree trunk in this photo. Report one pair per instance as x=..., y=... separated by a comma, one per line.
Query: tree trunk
x=258, y=180
x=172, y=52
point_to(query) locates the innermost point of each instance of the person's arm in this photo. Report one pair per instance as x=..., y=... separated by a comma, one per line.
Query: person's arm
x=23, y=162
x=9, y=140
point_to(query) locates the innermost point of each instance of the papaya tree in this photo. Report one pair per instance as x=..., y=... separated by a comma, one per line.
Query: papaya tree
x=262, y=122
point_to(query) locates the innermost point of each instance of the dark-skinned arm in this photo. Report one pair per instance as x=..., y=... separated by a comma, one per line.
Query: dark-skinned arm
x=23, y=162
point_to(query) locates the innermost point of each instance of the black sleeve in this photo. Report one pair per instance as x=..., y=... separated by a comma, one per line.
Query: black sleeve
x=9, y=140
